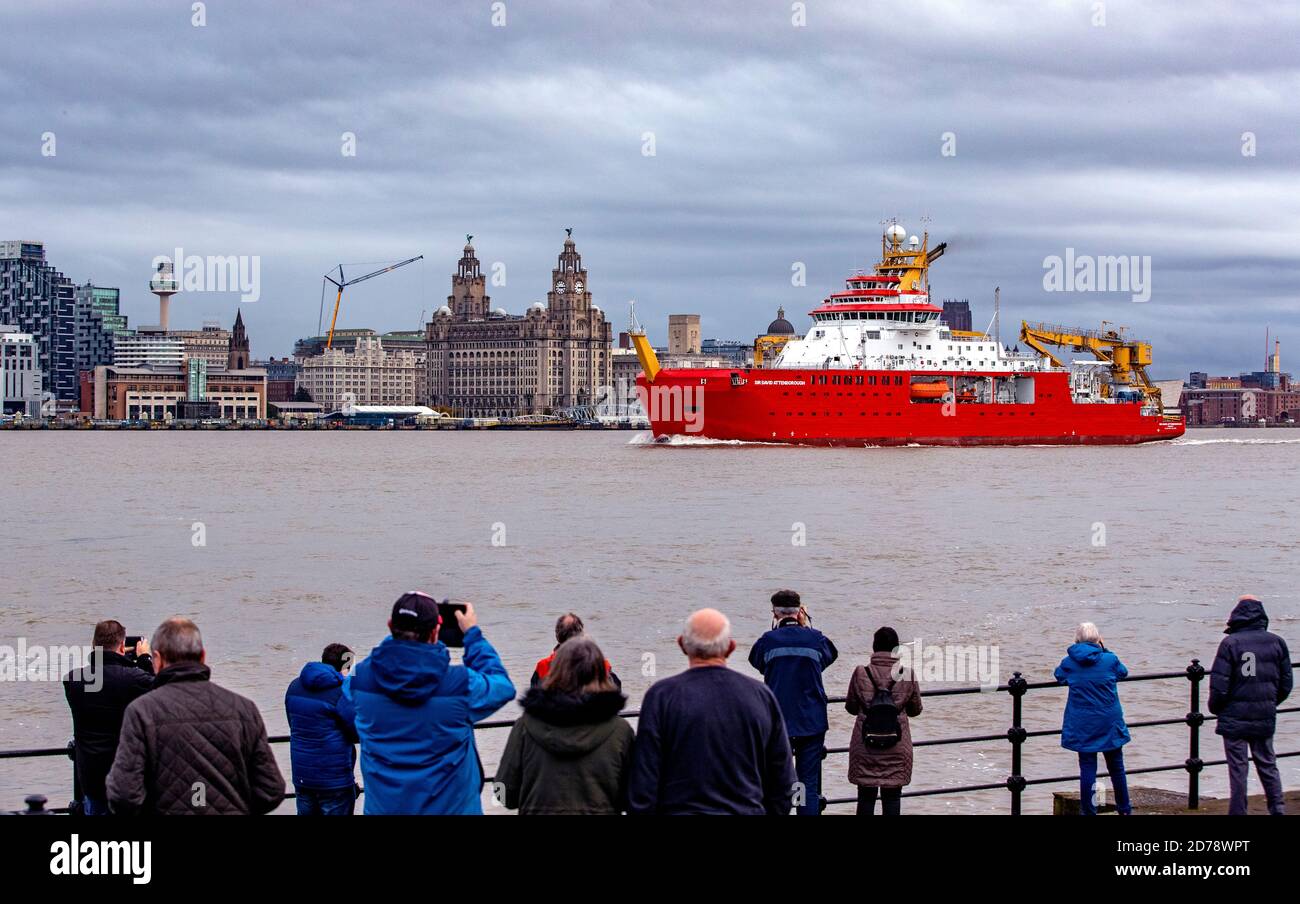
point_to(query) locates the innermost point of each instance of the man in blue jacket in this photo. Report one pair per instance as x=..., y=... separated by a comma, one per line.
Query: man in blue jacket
x=416, y=713
x=791, y=658
x=322, y=735
x=1251, y=676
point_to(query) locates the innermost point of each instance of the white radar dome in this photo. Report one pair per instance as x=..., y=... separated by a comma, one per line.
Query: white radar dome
x=895, y=233
x=913, y=242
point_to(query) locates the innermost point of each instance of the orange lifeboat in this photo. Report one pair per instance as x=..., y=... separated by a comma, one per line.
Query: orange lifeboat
x=932, y=390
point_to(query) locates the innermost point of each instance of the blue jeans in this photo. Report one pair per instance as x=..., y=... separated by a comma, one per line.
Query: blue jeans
x=1088, y=781
x=91, y=806
x=808, y=755
x=335, y=802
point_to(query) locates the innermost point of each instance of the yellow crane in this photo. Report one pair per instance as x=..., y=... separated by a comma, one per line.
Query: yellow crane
x=645, y=352
x=341, y=283
x=1128, y=358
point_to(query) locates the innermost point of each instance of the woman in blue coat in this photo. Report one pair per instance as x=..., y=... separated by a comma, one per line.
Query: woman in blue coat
x=1094, y=719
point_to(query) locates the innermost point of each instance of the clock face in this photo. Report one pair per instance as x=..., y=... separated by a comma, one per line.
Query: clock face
x=559, y=287
x=577, y=286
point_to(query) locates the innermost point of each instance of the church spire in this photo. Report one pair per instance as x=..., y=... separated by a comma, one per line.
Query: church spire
x=238, y=357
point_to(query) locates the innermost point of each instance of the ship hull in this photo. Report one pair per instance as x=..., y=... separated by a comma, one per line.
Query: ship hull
x=876, y=408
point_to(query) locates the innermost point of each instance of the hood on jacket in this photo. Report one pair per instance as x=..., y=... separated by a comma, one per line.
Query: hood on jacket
x=1085, y=653
x=319, y=676
x=1247, y=615
x=570, y=725
x=408, y=670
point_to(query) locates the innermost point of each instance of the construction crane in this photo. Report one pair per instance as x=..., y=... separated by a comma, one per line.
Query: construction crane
x=342, y=283
x=1128, y=358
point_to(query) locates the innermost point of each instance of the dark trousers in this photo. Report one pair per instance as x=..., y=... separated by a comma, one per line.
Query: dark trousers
x=808, y=755
x=891, y=800
x=1238, y=752
x=1088, y=781
x=335, y=802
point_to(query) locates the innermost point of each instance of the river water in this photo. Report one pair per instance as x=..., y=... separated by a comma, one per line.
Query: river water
x=308, y=537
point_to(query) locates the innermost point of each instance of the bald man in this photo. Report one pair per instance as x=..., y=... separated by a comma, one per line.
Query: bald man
x=709, y=740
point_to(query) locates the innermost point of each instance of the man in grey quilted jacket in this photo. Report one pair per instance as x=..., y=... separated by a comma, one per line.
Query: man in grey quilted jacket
x=190, y=747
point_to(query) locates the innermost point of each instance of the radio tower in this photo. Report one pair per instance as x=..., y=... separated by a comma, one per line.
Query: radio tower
x=163, y=285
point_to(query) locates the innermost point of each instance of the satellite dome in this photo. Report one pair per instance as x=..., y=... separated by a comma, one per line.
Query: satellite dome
x=780, y=326
x=895, y=233
x=913, y=243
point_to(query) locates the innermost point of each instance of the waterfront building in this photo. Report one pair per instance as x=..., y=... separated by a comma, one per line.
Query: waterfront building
x=957, y=315
x=1241, y=405
x=1267, y=395
x=148, y=347
x=486, y=362
x=768, y=345
x=367, y=374
x=281, y=378
x=738, y=353
x=175, y=387
x=346, y=339
x=210, y=344
x=99, y=321
x=41, y=302
x=20, y=373
x=683, y=334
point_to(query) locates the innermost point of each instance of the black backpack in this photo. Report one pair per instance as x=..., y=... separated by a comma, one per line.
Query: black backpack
x=880, y=726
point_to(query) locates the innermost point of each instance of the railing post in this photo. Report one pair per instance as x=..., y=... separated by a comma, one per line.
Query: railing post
x=1195, y=719
x=35, y=806
x=1016, y=735
x=76, y=779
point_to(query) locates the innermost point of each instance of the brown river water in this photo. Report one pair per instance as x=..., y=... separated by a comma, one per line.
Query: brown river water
x=310, y=536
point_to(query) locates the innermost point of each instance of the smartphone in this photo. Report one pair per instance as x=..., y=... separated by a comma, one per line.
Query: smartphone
x=450, y=632
x=131, y=641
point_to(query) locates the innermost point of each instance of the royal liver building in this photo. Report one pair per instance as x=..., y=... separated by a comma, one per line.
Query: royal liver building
x=484, y=362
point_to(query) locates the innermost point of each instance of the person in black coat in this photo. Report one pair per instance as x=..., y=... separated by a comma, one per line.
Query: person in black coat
x=1251, y=676
x=98, y=696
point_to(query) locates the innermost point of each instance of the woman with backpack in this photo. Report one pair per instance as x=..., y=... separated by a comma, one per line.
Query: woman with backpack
x=880, y=750
x=570, y=753
x=1094, y=719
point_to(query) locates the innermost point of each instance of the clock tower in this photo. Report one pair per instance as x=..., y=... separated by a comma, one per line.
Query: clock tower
x=569, y=299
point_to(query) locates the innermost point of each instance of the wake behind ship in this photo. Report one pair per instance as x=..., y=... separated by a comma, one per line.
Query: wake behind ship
x=879, y=367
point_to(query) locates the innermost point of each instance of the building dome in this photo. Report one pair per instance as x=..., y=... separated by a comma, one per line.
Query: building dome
x=500, y=312
x=537, y=306
x=780, y=326
x=443, y=311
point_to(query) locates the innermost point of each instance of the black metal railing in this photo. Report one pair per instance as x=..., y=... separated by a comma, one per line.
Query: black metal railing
x=1015, y=783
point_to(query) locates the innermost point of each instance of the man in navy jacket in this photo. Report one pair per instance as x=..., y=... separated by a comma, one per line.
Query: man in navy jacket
x=1251, y=676
x=791, y=658
x=322, y=735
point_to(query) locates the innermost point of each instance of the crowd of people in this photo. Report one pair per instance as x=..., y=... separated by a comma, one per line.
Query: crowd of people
x=155, y=735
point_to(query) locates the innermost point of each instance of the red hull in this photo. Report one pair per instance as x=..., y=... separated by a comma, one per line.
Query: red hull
x=875, y=408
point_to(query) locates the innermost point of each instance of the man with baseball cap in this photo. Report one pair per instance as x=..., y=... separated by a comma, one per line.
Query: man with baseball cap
x=415, y=712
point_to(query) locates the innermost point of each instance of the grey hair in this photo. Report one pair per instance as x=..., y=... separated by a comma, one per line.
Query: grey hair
x=178, y=640
x=699, y=647
x=1087, y=633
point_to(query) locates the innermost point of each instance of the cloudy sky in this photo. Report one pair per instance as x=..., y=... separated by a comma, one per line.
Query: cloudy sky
x=774, y=144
